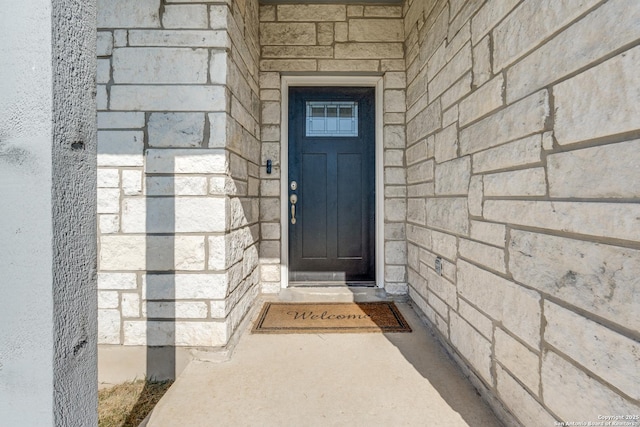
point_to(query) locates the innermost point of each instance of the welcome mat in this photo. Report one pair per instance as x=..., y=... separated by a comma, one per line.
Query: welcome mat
x=291, y=318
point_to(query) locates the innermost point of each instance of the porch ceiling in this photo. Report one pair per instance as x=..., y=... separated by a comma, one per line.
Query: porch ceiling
x=332, y=1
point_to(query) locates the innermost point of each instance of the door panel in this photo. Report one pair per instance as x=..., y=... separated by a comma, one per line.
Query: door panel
x=331, y=157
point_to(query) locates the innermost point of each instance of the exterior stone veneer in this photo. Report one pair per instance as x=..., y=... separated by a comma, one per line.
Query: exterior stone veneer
x=178, y=177
x=510, y=157
x=344, y=39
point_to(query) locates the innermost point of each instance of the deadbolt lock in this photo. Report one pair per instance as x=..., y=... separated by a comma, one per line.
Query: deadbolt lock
x=294, y=185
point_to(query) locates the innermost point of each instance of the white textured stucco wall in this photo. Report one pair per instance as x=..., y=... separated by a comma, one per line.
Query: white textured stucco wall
x=47, y=309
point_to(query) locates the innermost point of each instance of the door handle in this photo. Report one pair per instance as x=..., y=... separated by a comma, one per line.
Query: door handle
x=293, y=199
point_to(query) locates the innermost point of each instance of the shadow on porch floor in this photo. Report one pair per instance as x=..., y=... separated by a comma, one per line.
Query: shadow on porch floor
x=365, y=379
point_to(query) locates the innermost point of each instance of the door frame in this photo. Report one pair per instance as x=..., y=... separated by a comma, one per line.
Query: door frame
x=335, y=81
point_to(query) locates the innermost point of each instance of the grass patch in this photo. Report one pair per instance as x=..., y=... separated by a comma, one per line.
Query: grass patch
x=127, y=404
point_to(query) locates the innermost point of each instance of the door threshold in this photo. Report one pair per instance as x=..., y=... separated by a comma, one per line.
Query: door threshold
x=327, y=284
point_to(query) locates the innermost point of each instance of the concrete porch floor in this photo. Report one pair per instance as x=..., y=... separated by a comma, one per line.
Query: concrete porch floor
x=368, y=379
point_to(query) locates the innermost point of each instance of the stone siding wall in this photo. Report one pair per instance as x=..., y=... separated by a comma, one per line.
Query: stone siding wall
x=522, y=177
x=178, y=157
x=338, y=39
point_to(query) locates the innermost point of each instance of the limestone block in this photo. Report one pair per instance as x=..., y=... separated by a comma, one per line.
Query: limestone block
x=394, y=176
x=587, y=173
x=130, y=304
x=421, y=190
x=128, y=14
x=120, y=38
x=482, y=323
x=575, y=395
x=178, y=38
x=108, y=299
x=516, y=307
x=482, y=62
x=424, y=123
x=104, y=43
x=219, y=17
x=450, y=73
x=270, y=133
x=160, y=65
x=109, y=224
x=270, y=188
x=452, y=177
x=394, y=137
x=192, y=16
x=395, y=274
x=270, y=272
x=169, y=215
x=103, y=72
x=488, y=16
x=226, y=250
x=525, y=151
x=312, y=12
x=270, y=252
x=476, y=195
x=419, y=235
x=487, y=256
x=394, y=101
x=523, y=405
x=516, y=121
x=184, y=286
x=395, y=80
x=395, y=210
x=325, y=33
x=131, y=182
x=271, y=112
x=518, y=359
x=341, y=31
x=270, y=231
x=355, y=10
x=587, y=46
x=297, y=52
x=444, y=244
x=457, y=91
x=376, y=30
x=102, y=98
x=417, y=152
x=547, y=141
x=449, y=214
x=287, y=34
x=610, y=355
x=108, y=178
x=612, y=220
x=526, y=27
x=185, y=161
x=600, y=279
x=394, y=231
x=483, y=101
x=416, y=211
x=468, y=9
x=438, y=305
x=395, y=252
x=108, y=326
x=117, y=281
x=383, y=11
x=269, y=209
x=420, y=172
x=168, y=98
x=392, y=65
x=615, y=84
x=494, y=234
x=368, y=50
x=526, y=182
x=159, y=253
x=436, y=27
x=176, y=185
x=394, y=158
x=174, y=310
x=472, y=346
x=108, y=200
x=180, y=333
x=395, y=191
x=441, y=287
x=120, y=148
x=267, y=12
x=218, y=67
x=118, y=120
x=364, y=65
x=446, y=144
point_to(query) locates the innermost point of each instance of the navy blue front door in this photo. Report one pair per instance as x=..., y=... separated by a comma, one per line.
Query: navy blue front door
x=332, y=181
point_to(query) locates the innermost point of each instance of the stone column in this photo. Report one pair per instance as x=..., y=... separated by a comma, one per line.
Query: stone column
x=47, y=187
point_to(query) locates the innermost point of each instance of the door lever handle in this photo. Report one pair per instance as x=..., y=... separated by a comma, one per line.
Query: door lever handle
x=293, y=199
